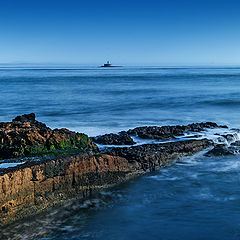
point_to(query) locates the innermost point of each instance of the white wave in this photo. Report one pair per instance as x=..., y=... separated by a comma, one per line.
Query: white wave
x=192, y=160
x=217, y=135
x=8, y=165
x=164, y=178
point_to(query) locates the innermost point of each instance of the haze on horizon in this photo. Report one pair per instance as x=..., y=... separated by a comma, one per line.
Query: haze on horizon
x=134, y=32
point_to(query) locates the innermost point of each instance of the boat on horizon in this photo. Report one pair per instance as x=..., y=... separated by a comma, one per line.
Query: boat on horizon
x=108, y=64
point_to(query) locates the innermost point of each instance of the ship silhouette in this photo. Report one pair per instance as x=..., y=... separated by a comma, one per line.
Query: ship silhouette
x=108, y=64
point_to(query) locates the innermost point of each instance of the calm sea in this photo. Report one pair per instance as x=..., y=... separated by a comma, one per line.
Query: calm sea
x=197, y=198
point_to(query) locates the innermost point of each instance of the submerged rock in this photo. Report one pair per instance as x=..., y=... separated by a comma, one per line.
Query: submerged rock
x=220, y=150
x=122, y=138
x=25, y=136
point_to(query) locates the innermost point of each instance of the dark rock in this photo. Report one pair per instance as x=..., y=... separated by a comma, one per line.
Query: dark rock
x=25, y=118
x=220, y=150
x=152, y=156
x=235, y=129
x=223, y=126
x=153, y=132
x=169, y=132
x=122, y=138
x=193, y=136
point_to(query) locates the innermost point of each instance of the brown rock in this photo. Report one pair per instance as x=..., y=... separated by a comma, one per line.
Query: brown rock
x=25, y=136
x=34, y=186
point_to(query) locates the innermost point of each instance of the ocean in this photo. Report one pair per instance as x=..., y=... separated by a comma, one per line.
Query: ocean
x=196, y=198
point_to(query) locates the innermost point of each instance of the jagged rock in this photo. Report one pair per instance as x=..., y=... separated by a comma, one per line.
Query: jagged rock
x=220, y=150
x=153, y=132
x=31, y=117
x=152, y=156
x=25, y=136
x=169, y=132
x=122, y=138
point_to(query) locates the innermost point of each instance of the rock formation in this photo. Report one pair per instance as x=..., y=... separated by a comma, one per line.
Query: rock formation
x=153, y=132
x=153, y=156
x=123, y=138
x=25, y=136
x=169, y=132
x=69, y=165
x=34, y=186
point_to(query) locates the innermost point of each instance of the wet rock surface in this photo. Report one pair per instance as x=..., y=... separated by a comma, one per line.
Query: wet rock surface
x=221, y=150
x=123, y=138
x=154, y=132
x=152, y=156
x=169, y=132
x=25, y=136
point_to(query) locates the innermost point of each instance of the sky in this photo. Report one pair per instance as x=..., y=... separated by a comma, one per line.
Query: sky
x=133, y=32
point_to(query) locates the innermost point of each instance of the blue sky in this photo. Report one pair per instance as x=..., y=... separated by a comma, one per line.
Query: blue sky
x=134, y=32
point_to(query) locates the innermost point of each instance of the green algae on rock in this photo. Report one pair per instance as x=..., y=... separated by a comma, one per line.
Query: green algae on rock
x=25, y=136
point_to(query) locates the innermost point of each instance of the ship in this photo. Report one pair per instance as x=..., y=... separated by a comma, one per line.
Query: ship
x=108, y=64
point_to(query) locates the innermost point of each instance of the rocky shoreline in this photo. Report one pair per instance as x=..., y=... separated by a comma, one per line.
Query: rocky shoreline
x=55, y=166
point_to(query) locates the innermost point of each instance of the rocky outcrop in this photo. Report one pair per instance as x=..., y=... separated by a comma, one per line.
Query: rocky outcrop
x=169, y=132
x=69, y=165
x=152, y=156
x=122, y=138
x=37, y=185
x=153, y=132
x=221, y=150
x=25, y=136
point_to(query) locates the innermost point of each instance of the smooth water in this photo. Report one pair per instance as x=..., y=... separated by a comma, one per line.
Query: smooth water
x=196, y=198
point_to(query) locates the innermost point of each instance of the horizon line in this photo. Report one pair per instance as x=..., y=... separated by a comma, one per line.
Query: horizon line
x=62, y=64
